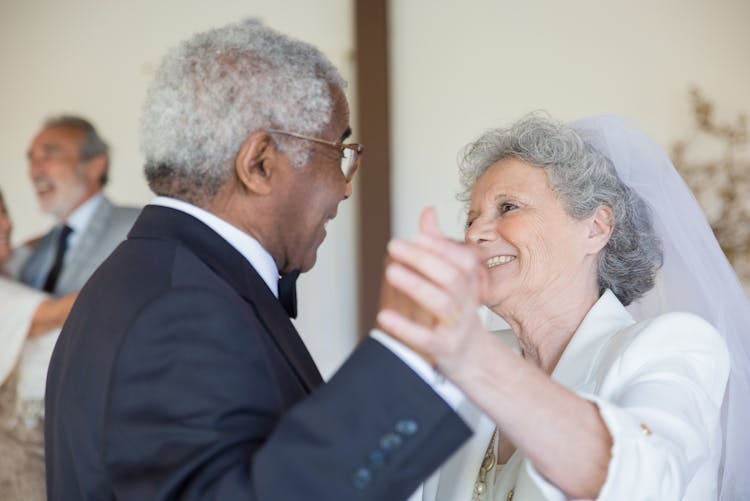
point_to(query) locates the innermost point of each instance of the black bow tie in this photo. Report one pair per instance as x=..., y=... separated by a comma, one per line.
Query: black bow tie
x=288, y=292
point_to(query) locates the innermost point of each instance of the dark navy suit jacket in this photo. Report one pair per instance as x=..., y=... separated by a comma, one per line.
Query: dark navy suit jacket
x=178, y=375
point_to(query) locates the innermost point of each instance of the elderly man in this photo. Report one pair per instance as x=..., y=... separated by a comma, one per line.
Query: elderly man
x=179, y=374
x=68, y=164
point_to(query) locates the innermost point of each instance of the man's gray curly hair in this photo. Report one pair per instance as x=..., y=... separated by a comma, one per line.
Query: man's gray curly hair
x=585, y=180
x=216, y=88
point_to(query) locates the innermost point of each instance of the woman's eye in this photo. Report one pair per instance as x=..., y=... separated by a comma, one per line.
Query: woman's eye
x=468, y=223
x=507, y=207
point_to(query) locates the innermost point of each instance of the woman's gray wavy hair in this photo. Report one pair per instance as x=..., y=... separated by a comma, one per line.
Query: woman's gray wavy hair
x=585, y=180
x=218, y=87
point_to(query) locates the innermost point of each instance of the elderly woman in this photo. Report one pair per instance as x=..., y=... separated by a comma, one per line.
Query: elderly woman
x=600, y=404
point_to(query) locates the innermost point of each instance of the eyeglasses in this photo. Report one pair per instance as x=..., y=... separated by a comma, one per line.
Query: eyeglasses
x=351, y=153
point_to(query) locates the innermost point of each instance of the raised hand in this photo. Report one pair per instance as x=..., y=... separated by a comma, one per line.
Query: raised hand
x=444, y=281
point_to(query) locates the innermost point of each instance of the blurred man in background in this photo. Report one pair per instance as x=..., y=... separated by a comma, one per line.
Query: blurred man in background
x=68, y=165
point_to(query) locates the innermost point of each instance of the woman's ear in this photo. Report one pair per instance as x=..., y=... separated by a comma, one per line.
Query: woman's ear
x=256, y=163
x=601, y=225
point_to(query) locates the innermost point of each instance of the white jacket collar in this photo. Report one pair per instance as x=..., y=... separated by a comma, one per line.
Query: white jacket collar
x=604, y=319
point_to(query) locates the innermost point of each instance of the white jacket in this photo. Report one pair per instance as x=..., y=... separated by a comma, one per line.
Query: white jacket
x=666, y=375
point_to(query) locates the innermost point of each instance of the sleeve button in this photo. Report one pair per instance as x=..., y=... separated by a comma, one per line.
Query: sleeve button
x=362, y=478
x=407, y=427
x=377, y=459
x=390, y=441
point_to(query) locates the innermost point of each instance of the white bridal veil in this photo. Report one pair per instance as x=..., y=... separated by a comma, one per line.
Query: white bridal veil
x=696, y=276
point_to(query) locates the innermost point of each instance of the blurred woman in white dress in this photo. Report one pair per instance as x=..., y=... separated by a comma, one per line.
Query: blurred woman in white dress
x=30, y=321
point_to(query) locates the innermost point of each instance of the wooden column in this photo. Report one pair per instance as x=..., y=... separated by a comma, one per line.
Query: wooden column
x=373, y=130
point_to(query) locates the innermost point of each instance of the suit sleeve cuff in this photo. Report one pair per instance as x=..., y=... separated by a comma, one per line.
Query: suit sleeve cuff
x=449, y=392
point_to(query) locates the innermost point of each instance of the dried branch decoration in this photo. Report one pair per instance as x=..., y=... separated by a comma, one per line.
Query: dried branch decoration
x=722, y=184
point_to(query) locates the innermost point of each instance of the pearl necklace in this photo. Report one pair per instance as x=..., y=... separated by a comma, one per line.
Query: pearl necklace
x=488, y=464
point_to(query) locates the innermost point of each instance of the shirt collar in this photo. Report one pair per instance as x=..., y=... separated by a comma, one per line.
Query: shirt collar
x=250, y=248
x=80, y=218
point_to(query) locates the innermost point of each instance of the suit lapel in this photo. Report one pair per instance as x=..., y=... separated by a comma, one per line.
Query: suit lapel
x=577, y=363
x=232, y=267
x=34, y=270
x=80, y=255
x=283, y=333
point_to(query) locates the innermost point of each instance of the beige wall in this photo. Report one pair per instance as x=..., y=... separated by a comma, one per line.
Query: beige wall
x=96, y=58
x=462, y=67
x=458, y=68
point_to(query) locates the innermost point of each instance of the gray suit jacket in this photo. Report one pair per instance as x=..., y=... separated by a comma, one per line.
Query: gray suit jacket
x=108, y=227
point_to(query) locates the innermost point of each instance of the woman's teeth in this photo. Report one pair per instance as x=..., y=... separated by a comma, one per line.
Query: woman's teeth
x=498, y=260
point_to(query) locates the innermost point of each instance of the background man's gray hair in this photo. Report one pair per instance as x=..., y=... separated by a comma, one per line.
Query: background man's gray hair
x=91, y=146
x=585, y=179
x=212, y=91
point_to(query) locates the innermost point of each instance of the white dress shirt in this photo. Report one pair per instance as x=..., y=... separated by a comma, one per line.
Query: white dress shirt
x=80, y=218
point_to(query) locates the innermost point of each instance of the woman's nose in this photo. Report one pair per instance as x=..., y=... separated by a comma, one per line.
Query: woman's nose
x=481, y=232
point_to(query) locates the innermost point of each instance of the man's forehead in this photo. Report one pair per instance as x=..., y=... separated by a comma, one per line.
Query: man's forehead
x=57, y=135
x=56, y=139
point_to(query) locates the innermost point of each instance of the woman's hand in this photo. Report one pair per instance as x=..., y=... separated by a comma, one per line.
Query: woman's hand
x=443, y=281
x=393, y=300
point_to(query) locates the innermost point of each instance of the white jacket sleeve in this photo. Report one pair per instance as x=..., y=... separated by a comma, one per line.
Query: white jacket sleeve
x=660, y=396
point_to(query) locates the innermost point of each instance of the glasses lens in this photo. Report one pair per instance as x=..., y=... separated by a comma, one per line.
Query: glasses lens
x=348, y=163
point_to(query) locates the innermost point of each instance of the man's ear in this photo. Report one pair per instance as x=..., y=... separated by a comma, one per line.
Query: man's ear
x=256, y=163
x=600, y=227
x=94, y=169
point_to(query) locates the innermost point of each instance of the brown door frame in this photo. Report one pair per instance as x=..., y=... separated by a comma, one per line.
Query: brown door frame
x=373, y=129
